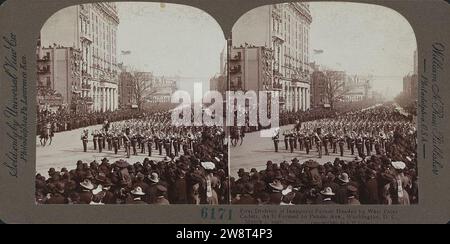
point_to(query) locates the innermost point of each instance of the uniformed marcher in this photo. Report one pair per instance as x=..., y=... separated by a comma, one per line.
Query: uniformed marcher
x=95, y=139
x=84, y=139
x=276, y=140
x=149, y=145
x=341, y=146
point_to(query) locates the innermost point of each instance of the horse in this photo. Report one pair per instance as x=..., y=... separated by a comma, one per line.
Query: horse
x=46, y=135
x=236, y=136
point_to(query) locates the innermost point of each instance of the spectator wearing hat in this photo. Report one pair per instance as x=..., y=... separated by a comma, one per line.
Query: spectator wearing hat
x=353, y=195
x=160, y=198
x=247, y=197
x=275, y=194
x=137, y=196
x=86, y=192
x=372, y=187
x=342, y=192
x=178, y=188
x=328, y=196
x=58, y=196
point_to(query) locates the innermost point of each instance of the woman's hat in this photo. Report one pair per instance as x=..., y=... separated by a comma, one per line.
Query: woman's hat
x=276, y=185
x=138, y=191
x=327, y=192
x=87, y=184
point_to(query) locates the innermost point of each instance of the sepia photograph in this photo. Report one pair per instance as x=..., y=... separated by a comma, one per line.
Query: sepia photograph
x=346, y=75
x=106, y=76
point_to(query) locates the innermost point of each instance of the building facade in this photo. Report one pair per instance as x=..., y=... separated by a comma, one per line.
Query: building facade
x=90, y=29
x=285, y=30
x=163, y=88
x=410, y=86
x=251, y=69
x=158, y=89
x=358, y=88
x=59, y=77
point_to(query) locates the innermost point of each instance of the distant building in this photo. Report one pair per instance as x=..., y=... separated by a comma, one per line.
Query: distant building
x=318, y=90
x=160, y=89
x=250, y=69
x=284, y=29
x=358, y=88
x=411, y=81
x=219, y=83
x=59, y=82
x=163, y=90
x=410, y=86
x=91, y=30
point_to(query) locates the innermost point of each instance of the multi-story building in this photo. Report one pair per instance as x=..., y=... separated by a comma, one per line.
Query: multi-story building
x=251, y=69
x=163, y=88
x=410, y=86
x=157, y=89
x=357, y=88
x=59, y=78
x=219, y=83
x=285, y=29
x=91, y=29
x=411, y=81
x=318, y=90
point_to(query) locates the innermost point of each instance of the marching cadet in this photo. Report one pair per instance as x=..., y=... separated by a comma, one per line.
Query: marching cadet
x=127, y=142
x=133, y=144
x=307, y=143
x=295, y=136
x=109, y=141
x=334, y=141
x=301, y=139
x=159, y=144
x=325, y=141
x=318, y=143
x=142, y=140
x=291, y=142
x=341, y=145
x=185, y=145
x=351, y=141
x=286, y=139
x=359, y=145
x=167, y=146
x=95, y=139
x=100, y=142
x=149, y=145
x=103, y=139
x=139, y=140
x=115, y=143
x=176, y=146
x=276, y=140
x=367, y=143
x=377, y=146
x=84, y=139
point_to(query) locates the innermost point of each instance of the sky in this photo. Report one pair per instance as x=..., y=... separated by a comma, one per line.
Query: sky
x=169, y=40
x=364, y=39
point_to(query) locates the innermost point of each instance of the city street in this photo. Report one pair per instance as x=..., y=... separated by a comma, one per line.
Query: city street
x=67, y=149
x=256, y=151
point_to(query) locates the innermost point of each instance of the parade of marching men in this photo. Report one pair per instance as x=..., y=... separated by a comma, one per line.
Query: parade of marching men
x=106, y=129
x=359, y=157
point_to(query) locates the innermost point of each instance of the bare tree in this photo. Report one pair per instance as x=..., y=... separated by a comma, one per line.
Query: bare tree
x=143, y=87
x=335, y=88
